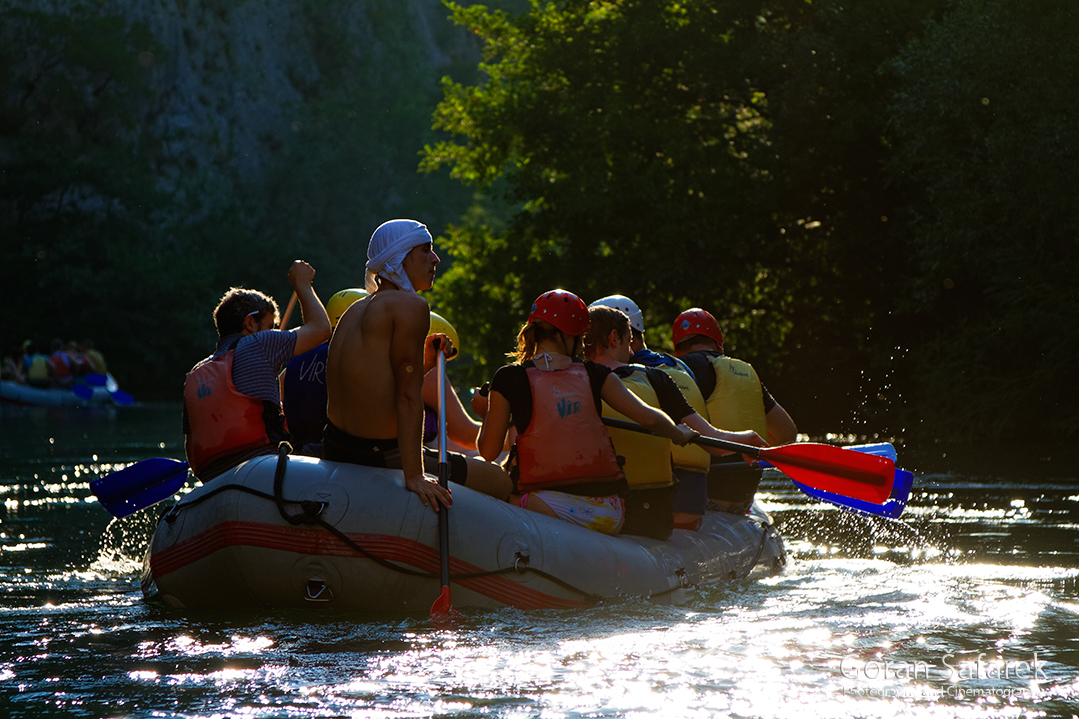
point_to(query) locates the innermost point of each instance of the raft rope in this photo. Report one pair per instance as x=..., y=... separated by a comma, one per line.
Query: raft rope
x=311, y=515
x=768, y=529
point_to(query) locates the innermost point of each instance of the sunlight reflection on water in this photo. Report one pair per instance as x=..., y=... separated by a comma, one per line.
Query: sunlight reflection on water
x=976, y=567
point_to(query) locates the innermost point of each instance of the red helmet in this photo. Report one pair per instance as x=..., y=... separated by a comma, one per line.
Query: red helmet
x=696, y=322
x=562, y=309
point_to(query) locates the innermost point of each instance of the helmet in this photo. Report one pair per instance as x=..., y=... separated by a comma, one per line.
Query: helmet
x=625, y=304
x=341, y=302
x=696, y=322
x=440, y=325
x=562, y=309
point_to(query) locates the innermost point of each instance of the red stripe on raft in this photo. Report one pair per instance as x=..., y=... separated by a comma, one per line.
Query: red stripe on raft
x=322, y=543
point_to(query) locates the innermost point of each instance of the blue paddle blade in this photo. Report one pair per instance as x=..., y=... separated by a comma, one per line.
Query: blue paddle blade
x=892, y=507
x=140, y=485
x=881, y=449
x=96, y=380
x=122, y=398
x=83, y=391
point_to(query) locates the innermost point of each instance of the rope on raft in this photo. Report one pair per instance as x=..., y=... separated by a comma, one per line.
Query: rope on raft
x=311, y=514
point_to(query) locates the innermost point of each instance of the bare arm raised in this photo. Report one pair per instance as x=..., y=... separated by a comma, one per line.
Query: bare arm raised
x=316, y=325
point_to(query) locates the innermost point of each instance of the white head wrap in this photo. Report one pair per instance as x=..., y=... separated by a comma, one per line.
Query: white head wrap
x=389, y=245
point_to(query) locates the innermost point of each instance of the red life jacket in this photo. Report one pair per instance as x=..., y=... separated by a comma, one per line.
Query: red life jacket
x=61, y=366
x=565, y=442
x=222, y=420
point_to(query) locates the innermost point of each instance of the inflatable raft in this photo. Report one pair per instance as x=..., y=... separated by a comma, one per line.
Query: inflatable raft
x=319, y=534
x=94, y=389
x=16, y=393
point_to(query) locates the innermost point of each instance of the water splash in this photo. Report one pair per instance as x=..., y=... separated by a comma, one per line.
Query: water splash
x=122, y=545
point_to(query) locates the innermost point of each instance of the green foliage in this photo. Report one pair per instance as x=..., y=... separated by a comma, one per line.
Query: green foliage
x=723, y=155
x=814, y=173
x=987, y=119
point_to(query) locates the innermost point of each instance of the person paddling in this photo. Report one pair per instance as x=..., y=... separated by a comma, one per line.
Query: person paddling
x=303, y=383
x=232, y=401
x=562, y=461
x=655, y=504
x=735, y=398
x=461, y=429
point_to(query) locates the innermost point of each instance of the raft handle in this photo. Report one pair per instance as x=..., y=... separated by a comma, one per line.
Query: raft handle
x=317, y=591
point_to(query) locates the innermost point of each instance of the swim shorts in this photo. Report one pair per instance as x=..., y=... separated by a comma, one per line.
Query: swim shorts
x=339, y=446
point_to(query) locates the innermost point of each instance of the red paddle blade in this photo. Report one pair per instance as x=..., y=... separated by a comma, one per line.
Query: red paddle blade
x=442, y=610
x=865, y=477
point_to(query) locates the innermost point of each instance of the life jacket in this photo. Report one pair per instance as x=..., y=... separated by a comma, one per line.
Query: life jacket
x=37, y=368
x=223, y=421
x=690, y=456
x=95, y=362
x=565, y=443
x=646, y=458
x=61, y=365
x=303, y=395
x=736, y=401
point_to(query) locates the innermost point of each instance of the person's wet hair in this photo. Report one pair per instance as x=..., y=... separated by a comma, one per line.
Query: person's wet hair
x=237, y=304
x=601, y=320
x=534, y=333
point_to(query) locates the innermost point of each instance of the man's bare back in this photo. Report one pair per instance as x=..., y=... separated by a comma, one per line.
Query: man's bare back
x=376, y=336
x=374, y=379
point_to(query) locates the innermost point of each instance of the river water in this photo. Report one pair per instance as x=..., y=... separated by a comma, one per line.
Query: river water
x=966, y=607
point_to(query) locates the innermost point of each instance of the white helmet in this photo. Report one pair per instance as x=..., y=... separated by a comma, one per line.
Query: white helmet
x=625, y=304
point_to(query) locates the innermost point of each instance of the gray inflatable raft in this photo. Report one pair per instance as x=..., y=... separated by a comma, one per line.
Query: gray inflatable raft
x=347, y=537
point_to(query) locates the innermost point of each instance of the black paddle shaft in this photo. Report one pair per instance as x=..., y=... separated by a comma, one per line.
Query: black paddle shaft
x=753, y=452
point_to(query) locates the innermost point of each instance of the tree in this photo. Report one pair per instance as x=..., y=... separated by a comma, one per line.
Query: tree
x=726, y=155
x=986, y=121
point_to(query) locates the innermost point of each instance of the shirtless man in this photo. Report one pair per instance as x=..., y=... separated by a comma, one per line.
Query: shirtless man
x=377, y=360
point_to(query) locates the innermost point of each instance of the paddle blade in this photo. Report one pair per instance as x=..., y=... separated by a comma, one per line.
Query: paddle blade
x=83, y=392
x=881, y=449
x=864, y=477
x=442, y=610
x=96, y=380
x=122, y=398
x=892, y=507
x=140, y=485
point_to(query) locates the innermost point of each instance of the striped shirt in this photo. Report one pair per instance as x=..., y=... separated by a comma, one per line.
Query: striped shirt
x=258, y=361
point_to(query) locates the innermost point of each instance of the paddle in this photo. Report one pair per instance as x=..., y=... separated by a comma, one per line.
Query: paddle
x=892, y=507
x=864, y=477
x=140, y=485
x=288, y=311
x=86, y=391
x=442, y=610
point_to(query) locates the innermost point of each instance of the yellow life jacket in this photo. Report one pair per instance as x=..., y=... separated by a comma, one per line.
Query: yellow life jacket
x=37, y=368
x=737, y=402
x=690, y=456
x=647, y=458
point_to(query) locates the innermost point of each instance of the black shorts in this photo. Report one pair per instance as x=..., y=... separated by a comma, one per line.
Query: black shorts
x=340, y=446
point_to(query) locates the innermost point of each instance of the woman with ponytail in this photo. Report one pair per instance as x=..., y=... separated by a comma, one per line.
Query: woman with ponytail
x=563, y=463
